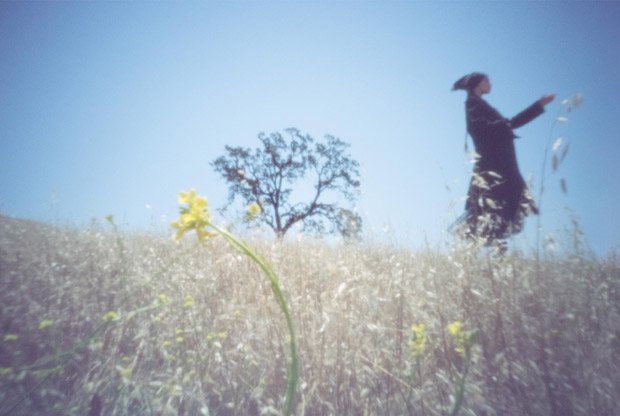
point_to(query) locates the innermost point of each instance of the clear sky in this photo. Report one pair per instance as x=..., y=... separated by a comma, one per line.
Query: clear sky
x=106, y=107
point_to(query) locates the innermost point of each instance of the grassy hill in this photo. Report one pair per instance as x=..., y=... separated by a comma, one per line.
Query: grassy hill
x=98, y=322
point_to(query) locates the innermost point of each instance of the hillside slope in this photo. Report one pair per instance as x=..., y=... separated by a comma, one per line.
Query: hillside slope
x=96, y=322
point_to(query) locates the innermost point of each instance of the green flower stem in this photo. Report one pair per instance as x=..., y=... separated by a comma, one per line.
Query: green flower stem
x=275, y=287
x=460, y=386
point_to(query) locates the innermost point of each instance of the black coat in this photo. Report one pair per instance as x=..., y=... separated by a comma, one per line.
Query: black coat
x=497, y=187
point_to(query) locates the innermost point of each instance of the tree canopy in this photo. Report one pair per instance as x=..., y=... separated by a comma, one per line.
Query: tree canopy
x=267, y=174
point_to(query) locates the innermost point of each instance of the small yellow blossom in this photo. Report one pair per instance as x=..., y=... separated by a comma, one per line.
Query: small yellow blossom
x=125, y=373
x=5, y=370
x=418, y=341
x=210, y=336
x=454, y=328
x=162, y=299
x=221, y=335
x=189, y=301
x=10, y=337
x=165, y=344
x=45, y=324
x=179, y=339
x=178, y=331
x=237, y=314
x=110, y=316
x=157, y=319
x=464, y=339
x=252, y=211
x=195, y=216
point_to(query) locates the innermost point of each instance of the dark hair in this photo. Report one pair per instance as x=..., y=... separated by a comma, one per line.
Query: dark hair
x=469, y=82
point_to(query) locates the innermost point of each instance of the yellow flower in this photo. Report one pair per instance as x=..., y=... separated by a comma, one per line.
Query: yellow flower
x=195, y=216
x=454, y=328
x=237, y=313
x=418, y=329
x=4, y=371
x=179, y=339
x=162, y=299
x=45, y=323
x=252, y=211
x=178, y=331
x=189, y=301
x=125, y=373
x=464, y=339
x=165, y=344
x=125, y=358
x=418, y=341
x=10, y=337
x=157, y=319
x=110, y=316
x=221, y=335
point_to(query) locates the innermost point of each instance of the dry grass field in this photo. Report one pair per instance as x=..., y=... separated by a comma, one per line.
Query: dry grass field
x=95, y=322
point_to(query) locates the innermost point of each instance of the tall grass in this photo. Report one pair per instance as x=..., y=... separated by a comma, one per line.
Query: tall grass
x=215, y=342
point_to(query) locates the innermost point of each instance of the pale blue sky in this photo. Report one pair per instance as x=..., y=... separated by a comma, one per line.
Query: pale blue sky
x=107, y=107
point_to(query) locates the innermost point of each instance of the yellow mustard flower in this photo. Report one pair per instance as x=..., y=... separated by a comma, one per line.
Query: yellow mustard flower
x=45, y=324
x=237, y=314
x=178, y=331
x=125, y=373
x=418, y=340
x=162, y=299
x=454, y=328
x=189, y=301
x=110, y=316
x=221, y=335
x=157, y=319
x=252, y=211
x=165, y=344
x=10, y=337
x=464, y=339
x=195, y=216
x=179, y=339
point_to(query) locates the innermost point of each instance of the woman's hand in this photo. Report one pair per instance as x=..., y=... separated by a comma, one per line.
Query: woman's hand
x=546, y=99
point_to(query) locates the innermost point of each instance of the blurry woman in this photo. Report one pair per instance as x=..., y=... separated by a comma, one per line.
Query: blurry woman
x=498, y=200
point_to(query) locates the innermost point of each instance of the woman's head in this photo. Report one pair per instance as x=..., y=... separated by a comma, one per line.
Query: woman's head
x=470, y=82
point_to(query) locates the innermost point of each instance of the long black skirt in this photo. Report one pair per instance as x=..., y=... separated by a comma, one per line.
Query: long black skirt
x=497, y=205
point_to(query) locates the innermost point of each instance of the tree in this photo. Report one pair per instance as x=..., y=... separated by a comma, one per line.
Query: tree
x=266, y=176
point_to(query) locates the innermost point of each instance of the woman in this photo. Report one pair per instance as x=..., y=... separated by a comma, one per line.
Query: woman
x=498, y=200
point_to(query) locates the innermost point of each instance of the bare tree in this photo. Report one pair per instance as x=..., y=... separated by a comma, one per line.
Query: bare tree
x=266, y=175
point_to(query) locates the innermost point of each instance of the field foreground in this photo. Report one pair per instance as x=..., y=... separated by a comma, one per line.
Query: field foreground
x=95, y=322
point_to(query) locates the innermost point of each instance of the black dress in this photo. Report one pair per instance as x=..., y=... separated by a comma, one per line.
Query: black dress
x=498, y=200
